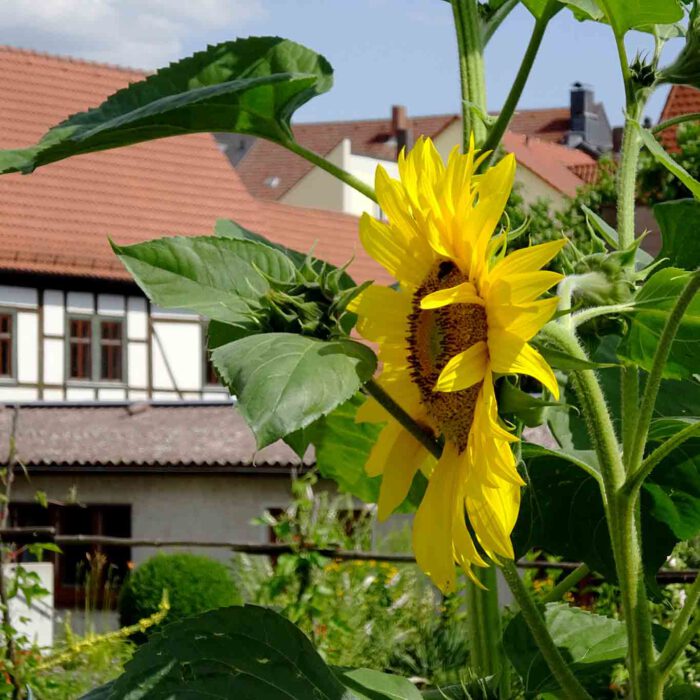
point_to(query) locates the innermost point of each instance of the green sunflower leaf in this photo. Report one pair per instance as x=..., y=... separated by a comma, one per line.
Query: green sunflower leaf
x=671, y=164
x=591, y=644
x=225, y=228
x=653, y=303
x=368, y=684
x=562, y=510
x=679, y=222
x=216, y=277
x=240, y=652
x=284, y=382
x=248, y=86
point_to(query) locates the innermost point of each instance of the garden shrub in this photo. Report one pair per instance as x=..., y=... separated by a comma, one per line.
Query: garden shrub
x=194, y=583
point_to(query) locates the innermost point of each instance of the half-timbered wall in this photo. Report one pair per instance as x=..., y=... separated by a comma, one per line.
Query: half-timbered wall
x=162, y=357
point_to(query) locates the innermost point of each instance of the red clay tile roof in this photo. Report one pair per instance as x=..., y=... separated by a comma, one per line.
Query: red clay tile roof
x=140, y=435
x=682, y=99
x=265, y=160
x=369, y=137
x=549, y=124
x=57, y=220
x=552, y=162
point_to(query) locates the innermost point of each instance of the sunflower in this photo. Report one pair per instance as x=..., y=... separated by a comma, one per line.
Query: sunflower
x=461, y=314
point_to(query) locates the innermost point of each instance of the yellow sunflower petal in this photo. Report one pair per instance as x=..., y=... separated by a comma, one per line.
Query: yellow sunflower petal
x=465, y=369
x=402, y=463
x=492, y=515
x=464, y=293
x=511, y=355
x=393, y=249
x=381, y=450
x=522, y=288
x=382, y=313
x=527, y=259
x=526, y=321
x=432, y=527
x=371, y=412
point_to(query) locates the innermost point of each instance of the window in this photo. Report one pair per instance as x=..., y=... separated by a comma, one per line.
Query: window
x=80, y=349
x=102, y=568
x=6, y=345
x=96, y=349
x=111, y=350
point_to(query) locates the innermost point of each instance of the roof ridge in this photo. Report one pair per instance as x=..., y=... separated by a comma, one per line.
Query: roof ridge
x=63, y=58
x=377, y=120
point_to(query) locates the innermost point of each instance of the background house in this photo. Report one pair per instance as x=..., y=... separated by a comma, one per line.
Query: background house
x=83, y=352
x=556, y=150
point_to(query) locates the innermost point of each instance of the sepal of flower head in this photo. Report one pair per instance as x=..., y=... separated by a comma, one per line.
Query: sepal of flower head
x=314, y=304
x=605, y=278
x=643, y=76
x=685, y=70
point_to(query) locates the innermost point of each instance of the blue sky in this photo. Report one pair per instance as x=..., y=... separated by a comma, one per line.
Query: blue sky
x=384, y=51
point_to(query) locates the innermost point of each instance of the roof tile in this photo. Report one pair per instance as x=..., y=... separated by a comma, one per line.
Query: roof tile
x=58, y=219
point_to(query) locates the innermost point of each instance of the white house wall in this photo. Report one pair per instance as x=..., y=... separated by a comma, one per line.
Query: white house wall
x=364, y=168
x=319, y=189
x=163, y=350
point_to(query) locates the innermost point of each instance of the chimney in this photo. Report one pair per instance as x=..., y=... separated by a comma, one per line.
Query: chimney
x=400, y=129
x=588, y=128
x=617, y=138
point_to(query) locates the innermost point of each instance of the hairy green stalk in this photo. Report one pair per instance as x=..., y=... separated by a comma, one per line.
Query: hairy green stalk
x=635, y=481
x=470, y=45
x=334, y=170
x=506, y=114
x=566, y=584
x=620, y=514
x=373, y=388
x=484, y=624
x=653, y=383
x=691, y=117
x=683, y=632
x=538, y=628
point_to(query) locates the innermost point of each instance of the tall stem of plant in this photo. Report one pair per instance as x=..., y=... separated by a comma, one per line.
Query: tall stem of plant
x=470, y=45
x=653, y=383
x=482, y=605
x=343, y=175
x=622, y=522
x=506, y=114
x=535, y=621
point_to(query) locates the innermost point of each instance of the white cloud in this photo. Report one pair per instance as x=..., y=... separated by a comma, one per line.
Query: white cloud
x=137, y=33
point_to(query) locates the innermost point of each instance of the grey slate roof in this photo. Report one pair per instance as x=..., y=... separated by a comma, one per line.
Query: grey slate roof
x=148, y=436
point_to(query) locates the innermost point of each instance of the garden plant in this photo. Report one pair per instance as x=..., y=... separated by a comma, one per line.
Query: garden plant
x=607, y=334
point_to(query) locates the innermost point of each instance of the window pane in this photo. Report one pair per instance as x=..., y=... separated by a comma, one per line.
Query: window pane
x=111, y=350
x=5, y=345
x=80, y=365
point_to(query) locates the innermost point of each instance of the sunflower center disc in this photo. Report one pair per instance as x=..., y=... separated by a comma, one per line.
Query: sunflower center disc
x=434, y=337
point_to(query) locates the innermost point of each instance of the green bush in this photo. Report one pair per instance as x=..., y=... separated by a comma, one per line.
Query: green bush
x=194, y=584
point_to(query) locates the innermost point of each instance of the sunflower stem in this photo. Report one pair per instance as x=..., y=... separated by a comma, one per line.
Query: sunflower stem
x=470, y=44
x=425, y=438
x=321, y=162
x=622, y=522
x=683, y=630
x=653, y=382
x=535, y=621
x=506, y=114
x=635, y=481
x=484, y=624
x=566, y=584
